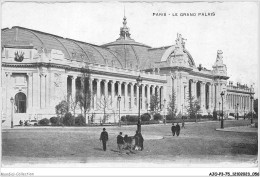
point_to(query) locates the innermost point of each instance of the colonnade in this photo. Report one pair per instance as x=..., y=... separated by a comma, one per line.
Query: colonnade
x=240, y=102
x=105, y=92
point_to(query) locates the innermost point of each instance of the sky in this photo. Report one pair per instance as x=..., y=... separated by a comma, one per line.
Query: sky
x=234, y=28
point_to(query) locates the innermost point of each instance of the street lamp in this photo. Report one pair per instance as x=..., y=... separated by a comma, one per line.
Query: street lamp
x=139, y=80
x=237, y=110
x=164, y=101
x=219, y=111
x=222, y=120
x=119, y=99
x=12, y=112
x=251, y=97
x=244, y=112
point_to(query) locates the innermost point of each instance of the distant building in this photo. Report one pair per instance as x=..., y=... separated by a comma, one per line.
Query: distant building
x=39, y=70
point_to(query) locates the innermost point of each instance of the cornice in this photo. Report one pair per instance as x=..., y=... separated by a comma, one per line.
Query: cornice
x=41, y=64
x=240, y=91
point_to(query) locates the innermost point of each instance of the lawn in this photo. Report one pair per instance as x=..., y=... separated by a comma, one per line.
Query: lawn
x=198, y=143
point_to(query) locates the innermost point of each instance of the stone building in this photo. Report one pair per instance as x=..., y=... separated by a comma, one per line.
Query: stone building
x=39, y=70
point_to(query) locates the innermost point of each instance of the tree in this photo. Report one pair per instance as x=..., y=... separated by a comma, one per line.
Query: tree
x=104, y=104
x=62, y=108
x=172, y=105
x=84, y=95
x=193, y=107
x=256, y=106
x=155, y=104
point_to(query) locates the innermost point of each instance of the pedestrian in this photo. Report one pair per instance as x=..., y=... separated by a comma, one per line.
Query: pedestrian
x=182, y=125
x=173, y=129
x=178, y=129
x=126, y=142
x=120, y=142
x=141, y=141
x=104, y=139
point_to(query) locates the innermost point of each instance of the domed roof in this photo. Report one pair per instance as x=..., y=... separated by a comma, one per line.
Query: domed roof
x=132, y=54
x=72, y=49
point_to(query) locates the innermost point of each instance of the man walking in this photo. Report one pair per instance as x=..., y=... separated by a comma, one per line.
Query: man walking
x=120, y=142
x=178, y=129
x=173, y=129
x=104, y=139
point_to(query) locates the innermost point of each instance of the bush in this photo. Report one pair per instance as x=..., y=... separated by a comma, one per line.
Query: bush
x=205, y=116
x=44, y=121
x=157, y=116
x=210, y=116
x=145, y=117
x=55, y=120
x=68, y=119
x=131, y=118
x=199, y=116
x=170, y=117
x=123, y=118
x=150, y=122
x=80, y=120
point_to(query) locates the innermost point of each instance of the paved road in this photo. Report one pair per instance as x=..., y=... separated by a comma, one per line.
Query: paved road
x=199, y=144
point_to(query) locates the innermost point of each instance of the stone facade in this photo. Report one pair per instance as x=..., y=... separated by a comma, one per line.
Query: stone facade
x=39, y=70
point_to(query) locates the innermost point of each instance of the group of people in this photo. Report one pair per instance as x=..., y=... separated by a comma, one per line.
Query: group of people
x=127, y=142
x=175, y=129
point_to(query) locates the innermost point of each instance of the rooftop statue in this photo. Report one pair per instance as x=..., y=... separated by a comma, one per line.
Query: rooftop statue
x=219, y=60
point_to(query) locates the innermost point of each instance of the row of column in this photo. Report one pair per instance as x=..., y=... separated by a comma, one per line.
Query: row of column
x=129, y=96
x=204, y=97
x=239, y=101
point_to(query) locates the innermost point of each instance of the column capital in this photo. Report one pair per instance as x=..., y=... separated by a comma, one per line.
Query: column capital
x=111, y=81
x=105, y=81
x=42, y=74
x=29, y=74
x=97, y=80
x=74, y=77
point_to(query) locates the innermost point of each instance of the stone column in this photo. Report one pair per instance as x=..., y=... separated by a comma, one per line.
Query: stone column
x=43, y=88
x=105, y=88
x=98, y=93
x=137, y=96
x=202, y=87
x=90, y=81
x=113, y=94
x=73, y=88
x=148, y=96
x=119, y=92
x=47, y=79
x=132, y=95
x=126, y=97
x=30, y=89
x=210, y=97
x=195, y=89
x=143, y=97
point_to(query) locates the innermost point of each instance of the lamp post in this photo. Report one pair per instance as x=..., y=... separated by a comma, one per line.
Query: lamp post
x=222, y=120
x=251, y=97
x=237, y=110
x=219, y=111
x=244, y=112
x=119, y=99
x=139, y=80
x=182, y=109
x=164, y=101
x=12, y=112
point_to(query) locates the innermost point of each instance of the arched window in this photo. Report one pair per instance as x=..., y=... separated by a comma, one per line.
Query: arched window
x=20, y=103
